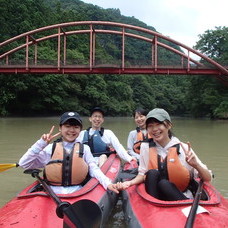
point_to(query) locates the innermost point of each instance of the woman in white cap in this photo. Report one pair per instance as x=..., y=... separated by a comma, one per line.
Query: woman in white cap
x=166, y=165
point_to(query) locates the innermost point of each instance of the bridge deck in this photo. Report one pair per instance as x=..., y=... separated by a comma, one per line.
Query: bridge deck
x=106, y=69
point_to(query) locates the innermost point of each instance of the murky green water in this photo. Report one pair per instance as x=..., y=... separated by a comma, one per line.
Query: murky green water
x=208, y=139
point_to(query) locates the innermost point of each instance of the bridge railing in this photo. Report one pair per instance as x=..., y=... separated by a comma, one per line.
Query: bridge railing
x=25, y=51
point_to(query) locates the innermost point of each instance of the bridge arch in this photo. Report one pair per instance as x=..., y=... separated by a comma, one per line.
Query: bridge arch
x=30, y=63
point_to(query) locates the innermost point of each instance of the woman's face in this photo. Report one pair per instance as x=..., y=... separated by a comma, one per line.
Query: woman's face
x=69, y=132
x=140, y=120
x=159, y=131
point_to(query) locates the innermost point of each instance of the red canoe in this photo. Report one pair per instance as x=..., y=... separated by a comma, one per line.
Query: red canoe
x=143, y=210
x=34, y=208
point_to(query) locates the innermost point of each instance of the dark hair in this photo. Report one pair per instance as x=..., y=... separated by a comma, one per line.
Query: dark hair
x=140, y=111
x=73, y=122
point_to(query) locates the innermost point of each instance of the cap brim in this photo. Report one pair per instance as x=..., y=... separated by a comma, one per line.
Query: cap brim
x=159, y=118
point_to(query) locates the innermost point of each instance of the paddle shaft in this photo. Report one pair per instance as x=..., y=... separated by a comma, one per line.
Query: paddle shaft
x=192, y=213
x=64, y=208
x=48, y=189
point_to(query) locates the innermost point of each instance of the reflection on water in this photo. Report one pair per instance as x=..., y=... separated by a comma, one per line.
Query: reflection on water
x=117, y=218
x=208, y=139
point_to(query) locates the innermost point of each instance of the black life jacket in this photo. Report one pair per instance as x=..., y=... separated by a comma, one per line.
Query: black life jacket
x=96, y=144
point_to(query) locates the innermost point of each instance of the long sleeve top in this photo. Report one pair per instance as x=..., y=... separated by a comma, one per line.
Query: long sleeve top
x=163, y=151
x=40, y=154
x=131, y=140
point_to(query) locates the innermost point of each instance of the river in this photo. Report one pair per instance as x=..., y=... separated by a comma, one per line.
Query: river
x=208, y=139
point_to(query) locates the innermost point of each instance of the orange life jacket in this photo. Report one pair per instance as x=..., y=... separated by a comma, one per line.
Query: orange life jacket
x=65, y=168
x=140, y=138
x=171, y=167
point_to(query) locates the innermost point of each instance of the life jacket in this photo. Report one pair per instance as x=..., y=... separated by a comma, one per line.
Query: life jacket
x=65, y=168
x=140, y=138
x=96, y=144
x=171, y=167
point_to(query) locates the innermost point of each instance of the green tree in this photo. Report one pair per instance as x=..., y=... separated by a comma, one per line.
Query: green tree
x=117, y=94
x=207, y=96
x=214, y=44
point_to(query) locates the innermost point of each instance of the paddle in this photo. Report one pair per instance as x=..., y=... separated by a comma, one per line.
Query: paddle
x=4, y=167
x=192, y=213
x=81, y=214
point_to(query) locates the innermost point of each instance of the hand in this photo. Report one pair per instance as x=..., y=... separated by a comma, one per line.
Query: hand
x=48, y=137
x=113, y=188
x=190, y=155
x=133, y=163
x=123, y=185
x=133, y=159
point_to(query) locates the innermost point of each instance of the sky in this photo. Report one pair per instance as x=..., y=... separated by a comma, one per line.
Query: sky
x=181, y=20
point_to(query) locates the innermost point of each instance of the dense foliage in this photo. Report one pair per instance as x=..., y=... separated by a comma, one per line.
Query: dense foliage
x=212, y=97
x=117, y=94
x=214, y=43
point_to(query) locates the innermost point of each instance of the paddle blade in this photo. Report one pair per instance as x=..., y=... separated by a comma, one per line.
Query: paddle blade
x=82, y=214
x=4, y=167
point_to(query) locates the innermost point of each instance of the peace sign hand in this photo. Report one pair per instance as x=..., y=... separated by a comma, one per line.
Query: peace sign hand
x=190, y=155
x=48, y=137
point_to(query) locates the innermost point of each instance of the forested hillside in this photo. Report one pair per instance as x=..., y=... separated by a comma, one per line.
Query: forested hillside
x=119, y=95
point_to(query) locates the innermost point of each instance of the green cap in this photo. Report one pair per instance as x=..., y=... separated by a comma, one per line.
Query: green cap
x=159, y=114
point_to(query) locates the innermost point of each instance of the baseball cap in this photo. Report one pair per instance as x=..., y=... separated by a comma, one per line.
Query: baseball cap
x=70, y=115
x=96, y=109
x=159, y=114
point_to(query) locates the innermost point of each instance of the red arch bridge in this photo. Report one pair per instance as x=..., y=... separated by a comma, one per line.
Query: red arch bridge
x=23, y=53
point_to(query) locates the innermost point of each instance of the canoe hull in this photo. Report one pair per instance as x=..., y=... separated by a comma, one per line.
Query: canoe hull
x=146, y=212
x=143, y=211
x=37, y=209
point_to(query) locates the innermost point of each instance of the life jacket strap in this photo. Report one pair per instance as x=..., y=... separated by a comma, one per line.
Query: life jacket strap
x=54, y=145
x=55, y=161
x=67, y=167
x=81, y=150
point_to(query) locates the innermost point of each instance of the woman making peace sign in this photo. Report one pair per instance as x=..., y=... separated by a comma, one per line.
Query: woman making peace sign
x=67, y=163
x=166, y=165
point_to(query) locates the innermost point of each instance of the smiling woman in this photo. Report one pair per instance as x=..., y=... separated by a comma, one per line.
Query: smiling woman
x=166, y=165
x=67, y=164
x=137, y=136
x=159, y=126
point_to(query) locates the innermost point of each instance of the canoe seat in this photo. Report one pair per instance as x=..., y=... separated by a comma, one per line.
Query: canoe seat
x=193, y=188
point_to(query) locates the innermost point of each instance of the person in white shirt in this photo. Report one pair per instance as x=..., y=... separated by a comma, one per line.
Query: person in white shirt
x=65, y=178
x=137, y=136
x=102, y=142
x=166, y=165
